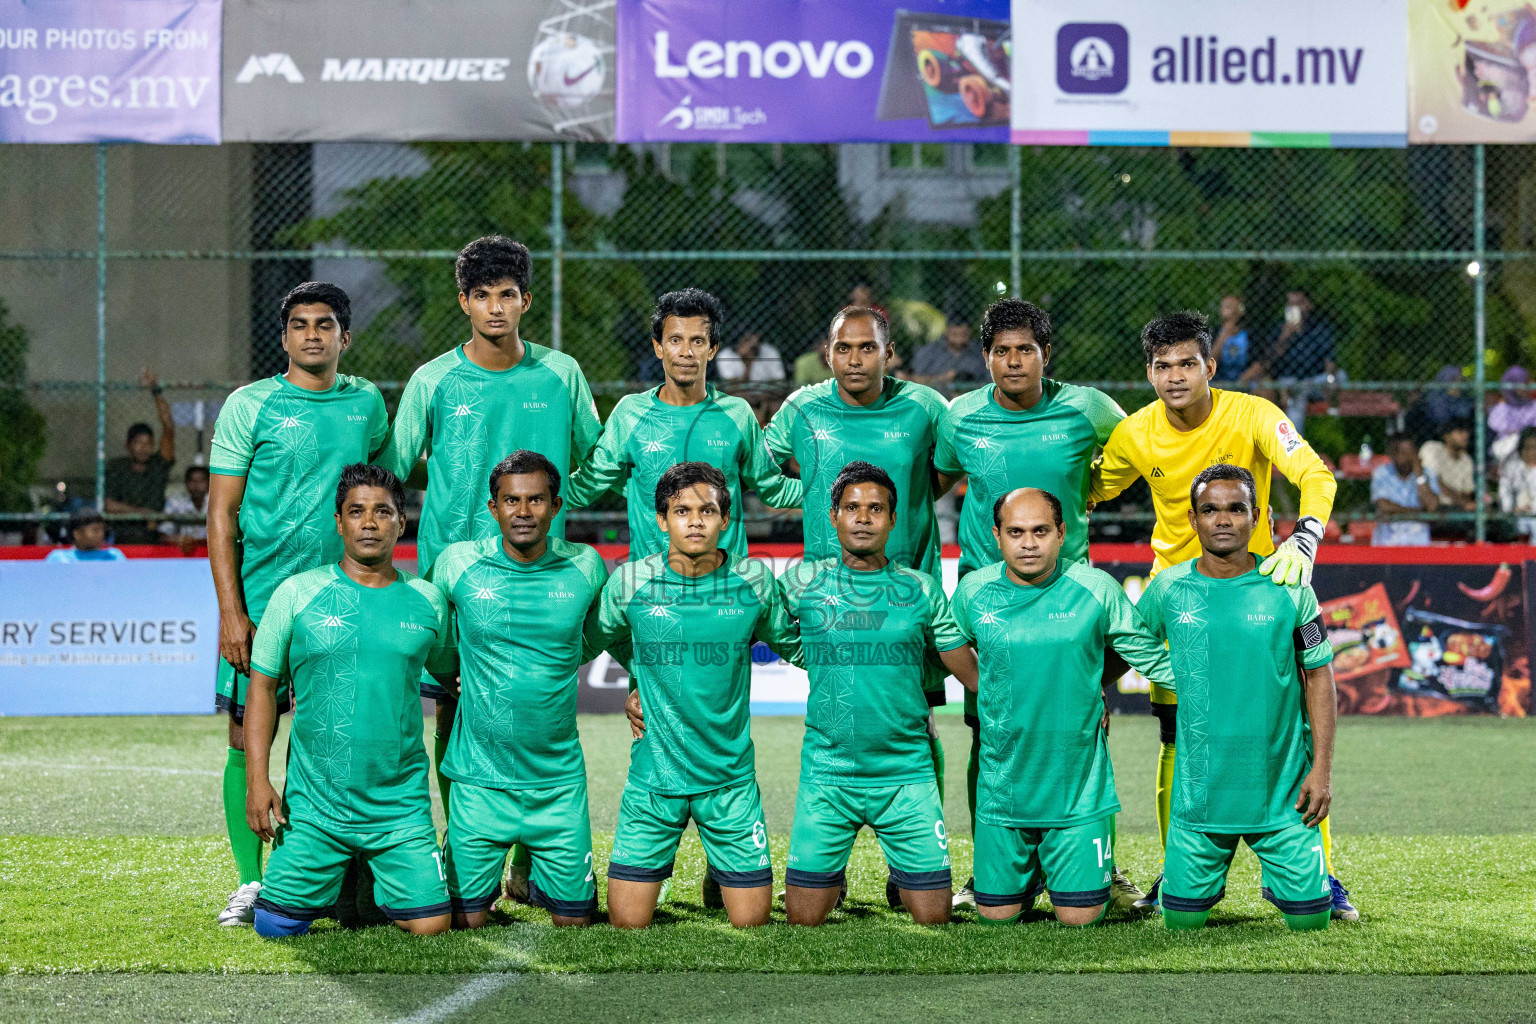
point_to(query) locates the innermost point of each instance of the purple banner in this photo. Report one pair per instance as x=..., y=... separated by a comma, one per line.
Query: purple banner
x=110, y=70
x=813, y=71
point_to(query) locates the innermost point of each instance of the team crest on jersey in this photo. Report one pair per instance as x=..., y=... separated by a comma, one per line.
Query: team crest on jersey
x=655, y=447
x=485, y=594
x=290, y=421
x=658, y=612
x=1188, y=619
x=332, y=621
x=462, y=409
x=1157, y=474
x=821, y=434
x=1285, y=433
x=983, y=444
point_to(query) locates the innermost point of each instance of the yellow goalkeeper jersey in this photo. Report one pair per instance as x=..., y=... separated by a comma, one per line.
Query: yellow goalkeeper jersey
x=1242, y=430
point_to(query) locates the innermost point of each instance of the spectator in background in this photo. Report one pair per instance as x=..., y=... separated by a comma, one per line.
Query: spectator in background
x=188, y=536
x=1399, y=489
x=1449, y=461
x=88, y=535
x=1517, y=482
x=1301, y=353
x=1431, y=411
x=953, y=360
x=751, y=360
x=136, y=482
x=1516, y=412
x=811, y=367
x=1231, y=347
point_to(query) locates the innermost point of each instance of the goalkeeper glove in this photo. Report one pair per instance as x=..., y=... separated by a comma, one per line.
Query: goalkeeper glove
x=1292, y=561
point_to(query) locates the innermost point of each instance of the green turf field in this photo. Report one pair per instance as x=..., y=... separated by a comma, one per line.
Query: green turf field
x=112, y=860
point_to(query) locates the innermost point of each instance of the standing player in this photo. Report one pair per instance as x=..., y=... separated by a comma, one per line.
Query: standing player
x=866, y=624
x=520, y=602
x=1022, y=430
x=1192, y=426
x=1253, y=671
x=278, y=448
x=684, y=419
x=692, y=614
x=863, y=414
x=353, y=637
x=1046, y=801
x=471, y=405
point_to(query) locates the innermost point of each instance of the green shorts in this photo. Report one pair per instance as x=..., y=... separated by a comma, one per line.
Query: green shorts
x=1014, y=864
x=230, y=688
x=1295, y=872
x=907, y=820
x=552, y=824
x=303, y=875
x=730, y=822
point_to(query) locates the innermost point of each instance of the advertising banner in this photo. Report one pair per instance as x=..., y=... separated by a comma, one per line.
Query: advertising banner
x=109, y=71
x=1471, y=71
x=1236, y=73
x=401, y=70
x=1419, y=640
x=814, y=71
x=139, y=637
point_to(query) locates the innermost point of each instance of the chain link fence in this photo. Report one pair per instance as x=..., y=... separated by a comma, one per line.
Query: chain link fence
x=114, y=259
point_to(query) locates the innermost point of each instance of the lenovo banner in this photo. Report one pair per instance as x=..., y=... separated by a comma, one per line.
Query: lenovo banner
x=322, y=70
x=109, y=71
x=814, y=71
x=1236, y=73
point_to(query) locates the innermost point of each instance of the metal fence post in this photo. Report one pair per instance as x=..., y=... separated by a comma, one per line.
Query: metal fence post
x=101, y=325
x=1480, y=336
x=1015, y=225
x=556, y=240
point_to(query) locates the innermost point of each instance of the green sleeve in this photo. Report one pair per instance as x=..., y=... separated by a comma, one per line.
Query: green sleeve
x=1104, y=413
x=444, y=656
x=612, y=624
x=1128, y=636
x=604, y=466
x=960, y=612
x=586, y=428
x=944, y=633
x=378, y=423
x=269, y=650
x=592, y=643
x=780, y=435
x=760, y=471
x=774, y=626
x=1149, y=610
x=408, y=436
x=1311, y=638
x=945, y=458
x=234, y=440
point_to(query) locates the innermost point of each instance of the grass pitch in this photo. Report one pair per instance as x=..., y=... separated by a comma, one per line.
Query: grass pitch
x=112, y=859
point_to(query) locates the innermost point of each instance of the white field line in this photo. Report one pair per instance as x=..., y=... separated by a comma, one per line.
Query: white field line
x=473, y=991
x=141, y=769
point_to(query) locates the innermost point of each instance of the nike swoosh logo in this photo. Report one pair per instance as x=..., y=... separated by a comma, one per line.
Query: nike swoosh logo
x=572, y=81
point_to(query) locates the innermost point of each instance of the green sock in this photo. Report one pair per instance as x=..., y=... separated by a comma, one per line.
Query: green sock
x=243, y=843
x=440, y=748
x=1307, y=922
x=522, y=858
x=1007, y=920
x=1185, y=920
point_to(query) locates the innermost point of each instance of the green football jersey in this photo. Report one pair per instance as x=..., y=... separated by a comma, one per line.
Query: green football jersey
x=691, y=640
x=1050, y=447
x=356, y=761
x=291, y=445
x=519, y=631
x=1044, y=756
x=898, y=433
x=469, y=418
x=1239, y=646
x=645, y=437
x=864, y=638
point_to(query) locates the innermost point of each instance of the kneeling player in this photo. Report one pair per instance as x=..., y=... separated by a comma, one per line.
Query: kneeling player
x=692, y=613
x=1045, y=795
x=1252, y=670
x=353, y=638
x=520, y=602
x=866, y=625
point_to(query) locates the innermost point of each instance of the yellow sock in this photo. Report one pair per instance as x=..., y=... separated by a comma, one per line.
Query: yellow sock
x=1164, y=791
x=1322, y=828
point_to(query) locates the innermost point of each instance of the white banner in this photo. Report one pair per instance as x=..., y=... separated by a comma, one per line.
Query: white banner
x=1225, y=72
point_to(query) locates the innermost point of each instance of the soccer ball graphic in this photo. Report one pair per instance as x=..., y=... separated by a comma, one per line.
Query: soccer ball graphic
x=566, y=70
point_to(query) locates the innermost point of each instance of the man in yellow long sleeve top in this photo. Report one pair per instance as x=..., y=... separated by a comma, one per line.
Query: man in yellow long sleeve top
x=1192, y=426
